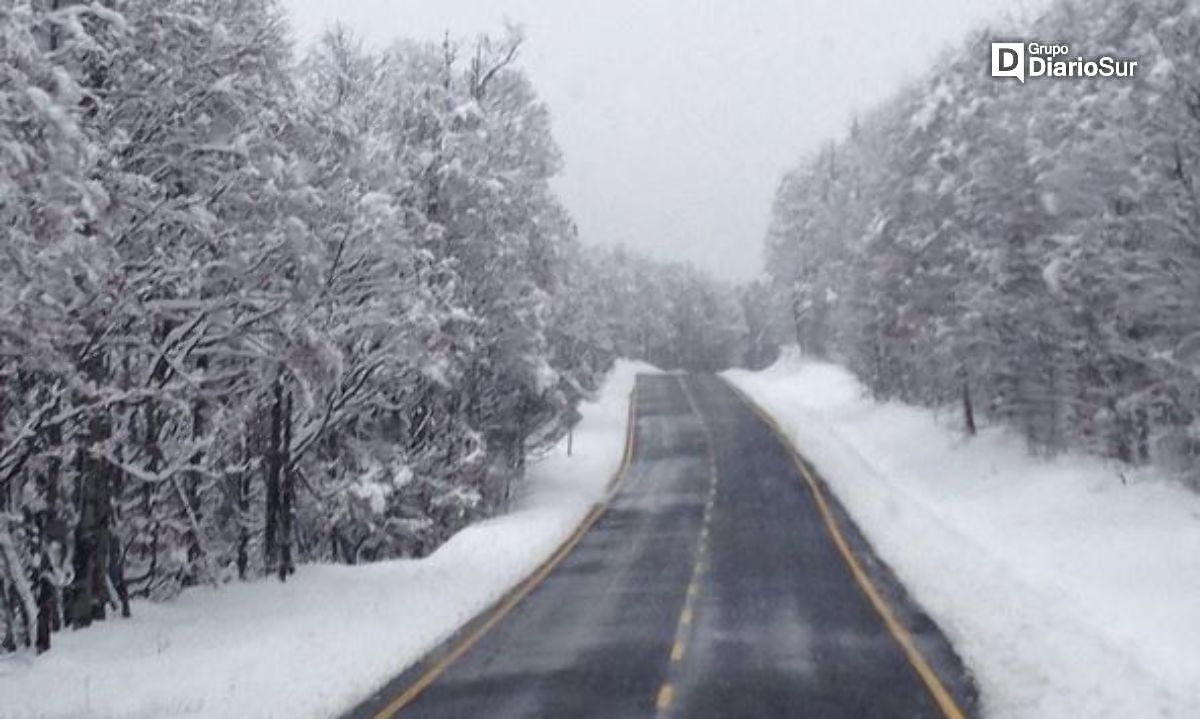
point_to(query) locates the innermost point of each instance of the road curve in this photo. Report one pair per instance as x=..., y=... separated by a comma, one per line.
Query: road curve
x=722, y=581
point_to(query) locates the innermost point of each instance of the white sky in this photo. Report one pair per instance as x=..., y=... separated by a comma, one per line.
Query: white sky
x=678, y=117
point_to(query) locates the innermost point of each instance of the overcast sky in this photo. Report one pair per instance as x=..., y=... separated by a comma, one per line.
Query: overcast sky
x=678, y=117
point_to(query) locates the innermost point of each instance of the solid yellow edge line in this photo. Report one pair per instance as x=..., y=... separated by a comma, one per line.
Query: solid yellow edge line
x=924, y=670
x=528, y=585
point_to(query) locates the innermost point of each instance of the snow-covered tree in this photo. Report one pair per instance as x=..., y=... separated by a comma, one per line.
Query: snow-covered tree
x=1024, y=249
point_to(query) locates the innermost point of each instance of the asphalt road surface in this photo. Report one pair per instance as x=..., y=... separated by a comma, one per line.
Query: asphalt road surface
x=712, y=586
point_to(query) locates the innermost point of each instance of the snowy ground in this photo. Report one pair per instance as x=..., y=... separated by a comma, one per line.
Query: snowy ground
x=1068, y=593
x=332, y=634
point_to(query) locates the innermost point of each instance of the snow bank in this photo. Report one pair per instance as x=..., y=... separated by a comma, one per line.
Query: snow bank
x=1067, y=592
x=315, y=646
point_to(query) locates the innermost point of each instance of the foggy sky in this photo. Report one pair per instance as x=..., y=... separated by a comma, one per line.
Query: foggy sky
x=678, y=117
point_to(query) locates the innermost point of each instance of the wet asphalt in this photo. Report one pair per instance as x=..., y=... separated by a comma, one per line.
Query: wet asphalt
x=710, y=588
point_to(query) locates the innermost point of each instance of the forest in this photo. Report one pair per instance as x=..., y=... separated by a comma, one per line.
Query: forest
x=263, y=305
x=260, y=307
x=1026, y=253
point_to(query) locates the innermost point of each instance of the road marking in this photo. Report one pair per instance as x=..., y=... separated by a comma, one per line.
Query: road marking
x=899, y=632
x=522, y=590
x=666, y=695
x=687, y=614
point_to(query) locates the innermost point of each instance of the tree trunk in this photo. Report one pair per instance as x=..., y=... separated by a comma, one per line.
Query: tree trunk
x=287, y=492
x=93, y=536
x=274, y=466
x=45, y=600
x=1143, y=435
x=116, y=575
x=52, y=541
x=968, y=409
x=195, y=507
x=20, y=606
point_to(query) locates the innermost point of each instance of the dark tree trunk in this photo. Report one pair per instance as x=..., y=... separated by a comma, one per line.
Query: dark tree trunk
x=93, y=537
x=52, y=532
x=45, y=601
x=116, y=575
x=274, y=465
x=968, y=409
x=287, y=492
x=1143, y=435
x=243, y=518
x=8, y=643
x=193, y=478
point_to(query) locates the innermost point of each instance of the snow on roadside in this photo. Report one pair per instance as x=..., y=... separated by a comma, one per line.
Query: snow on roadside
x=315, y=646
x=1066, y=591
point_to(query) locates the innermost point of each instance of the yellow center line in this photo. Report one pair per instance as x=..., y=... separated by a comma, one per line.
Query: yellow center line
x=666, y=695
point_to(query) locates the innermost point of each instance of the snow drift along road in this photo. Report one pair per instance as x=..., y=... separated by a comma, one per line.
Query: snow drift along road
x=322, y=642
x=1068, y=593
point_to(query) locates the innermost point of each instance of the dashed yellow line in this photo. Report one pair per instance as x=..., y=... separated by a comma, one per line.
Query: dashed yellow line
x=687, y=613
x=924, y=670
x=666, y=695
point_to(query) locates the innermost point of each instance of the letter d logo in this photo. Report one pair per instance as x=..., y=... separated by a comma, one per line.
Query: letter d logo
x=1008, y=60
